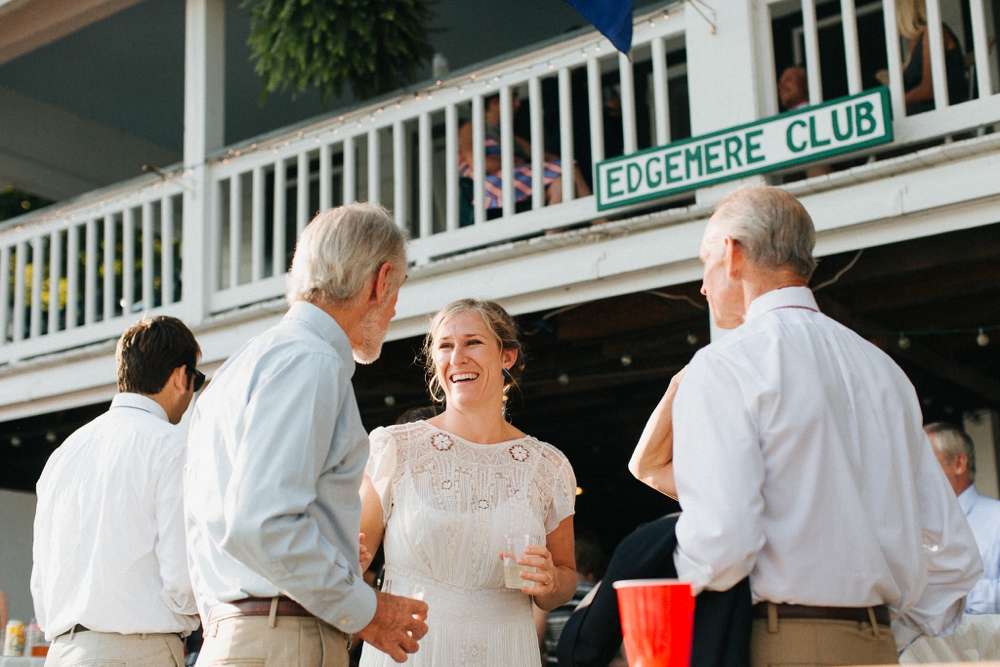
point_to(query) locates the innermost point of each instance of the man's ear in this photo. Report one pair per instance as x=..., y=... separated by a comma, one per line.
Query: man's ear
x=179, y=379
x=381, y=284
x=734, y=258
x=960, y=464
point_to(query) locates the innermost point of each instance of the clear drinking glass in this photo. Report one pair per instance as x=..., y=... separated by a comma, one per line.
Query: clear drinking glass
x=515, y=548
x=403, y=588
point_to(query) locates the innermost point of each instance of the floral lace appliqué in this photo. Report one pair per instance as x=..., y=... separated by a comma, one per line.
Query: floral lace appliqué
x=446, y=484
x=519, y=453
x=483, y=504
x=442, y=442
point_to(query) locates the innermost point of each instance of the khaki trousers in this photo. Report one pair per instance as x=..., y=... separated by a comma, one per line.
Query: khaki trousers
x=109, y=649
x=294, y=641
x=805, y=642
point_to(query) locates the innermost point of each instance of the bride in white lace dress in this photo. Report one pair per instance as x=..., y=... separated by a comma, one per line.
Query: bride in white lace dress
x=445, y=492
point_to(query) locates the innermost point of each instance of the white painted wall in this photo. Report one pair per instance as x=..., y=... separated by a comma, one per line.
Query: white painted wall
x=17, y=513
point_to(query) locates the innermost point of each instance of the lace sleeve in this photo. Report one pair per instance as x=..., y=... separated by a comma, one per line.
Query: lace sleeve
x=381, y=467
x=563, y=492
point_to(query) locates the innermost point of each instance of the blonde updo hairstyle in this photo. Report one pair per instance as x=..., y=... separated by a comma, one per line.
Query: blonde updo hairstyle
x=503, y=327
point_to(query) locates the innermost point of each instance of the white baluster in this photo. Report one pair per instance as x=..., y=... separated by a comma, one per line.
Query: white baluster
x=20, y=269
x=350, y=171
x=894, y=59
x=399, y=174
x=374, y=167
x=325, y=183
x=537, y=144
x=110, y=251
x=278, y=232
x=148, y=258
x=37, y=271
x=302, y=194
x=257, y=226
x=478, y=160
x=628, y=103
x=425, y=159
x=939, y=76
x=4, y=292
x=55, y=277
x=128, y=261
x=167, y=251
x=566, y=134
x=661, y=97
x=506, y=152
x=811, y=35
x=235, y=227
x=451, y=167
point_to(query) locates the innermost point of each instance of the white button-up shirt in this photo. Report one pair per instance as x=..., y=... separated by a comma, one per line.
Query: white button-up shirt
x=983, y=514
x=276, y=455
x=800, y=460
x=109, y=527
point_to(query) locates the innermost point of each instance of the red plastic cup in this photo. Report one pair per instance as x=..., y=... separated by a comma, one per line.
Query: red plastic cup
x=657, y=620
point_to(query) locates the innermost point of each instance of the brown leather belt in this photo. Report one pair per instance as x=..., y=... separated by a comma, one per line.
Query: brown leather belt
x=255, y=607
x=859, y=614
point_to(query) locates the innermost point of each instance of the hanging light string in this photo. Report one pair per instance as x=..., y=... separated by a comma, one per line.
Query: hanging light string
x=903, y=336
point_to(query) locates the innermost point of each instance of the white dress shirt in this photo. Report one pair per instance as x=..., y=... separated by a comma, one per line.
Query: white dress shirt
x=276, y=455
x=109, y=527
x=800, y=460
x=983, y=514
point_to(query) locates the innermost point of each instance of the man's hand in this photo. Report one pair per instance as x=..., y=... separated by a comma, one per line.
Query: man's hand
x=397, y=625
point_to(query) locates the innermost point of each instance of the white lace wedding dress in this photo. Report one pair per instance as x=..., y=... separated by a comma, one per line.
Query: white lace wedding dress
x=448, y=503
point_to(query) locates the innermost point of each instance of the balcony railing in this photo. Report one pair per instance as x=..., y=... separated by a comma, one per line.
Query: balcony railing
x=79, y=273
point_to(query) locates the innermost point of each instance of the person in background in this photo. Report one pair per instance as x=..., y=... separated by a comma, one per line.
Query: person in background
x=911, y=18
x=957, y=456
x=793, y=92
x=799, y=458
x=110, y=580
x=590, y=564
x=276, y=453
x=493, y=184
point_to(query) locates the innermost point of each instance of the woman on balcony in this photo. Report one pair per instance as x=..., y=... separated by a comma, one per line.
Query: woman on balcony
x=493, y=183
x=445, y=492
x=911, y=17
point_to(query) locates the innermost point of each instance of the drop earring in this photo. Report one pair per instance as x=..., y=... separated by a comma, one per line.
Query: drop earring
x=505, y=373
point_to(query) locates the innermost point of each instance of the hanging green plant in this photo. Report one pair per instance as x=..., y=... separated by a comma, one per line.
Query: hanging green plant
x=373, y=46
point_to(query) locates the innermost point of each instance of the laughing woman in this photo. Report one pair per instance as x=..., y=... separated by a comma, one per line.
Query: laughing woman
x=444, y=494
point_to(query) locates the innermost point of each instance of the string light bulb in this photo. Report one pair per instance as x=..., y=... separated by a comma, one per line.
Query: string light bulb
x=626, y=359
x=904, y=342
x=692, y=339
x=982, y=340
x=390, y=400
x=563, y=379
x=50, y=436
x=15, y=441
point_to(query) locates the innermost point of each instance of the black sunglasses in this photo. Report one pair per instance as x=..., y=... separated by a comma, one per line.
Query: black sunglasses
x=199, y=378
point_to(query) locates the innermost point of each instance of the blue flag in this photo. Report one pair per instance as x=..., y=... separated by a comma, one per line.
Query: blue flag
x=612, y=17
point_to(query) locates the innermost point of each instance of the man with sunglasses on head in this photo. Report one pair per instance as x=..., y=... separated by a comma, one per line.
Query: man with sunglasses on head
x=110, y=580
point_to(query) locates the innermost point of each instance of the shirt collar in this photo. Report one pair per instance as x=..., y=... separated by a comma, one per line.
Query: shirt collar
x=968, y=498
x=324, y=325
x=785, y=297
x=139, y=402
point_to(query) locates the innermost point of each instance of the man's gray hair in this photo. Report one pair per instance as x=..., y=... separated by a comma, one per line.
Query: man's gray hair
x=772, y=226
x=341, y=250
x=951, y=441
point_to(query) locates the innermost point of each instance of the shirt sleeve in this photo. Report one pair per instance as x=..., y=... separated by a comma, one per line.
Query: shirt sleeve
x=563, y=494
x=288, y=432
x=381, y=467
x=984, y=598
x=719, y=470
x=171, y=550
x=950, y=553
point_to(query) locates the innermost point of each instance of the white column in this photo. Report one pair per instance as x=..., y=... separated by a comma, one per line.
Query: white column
x=714, y=74
x=204, y=132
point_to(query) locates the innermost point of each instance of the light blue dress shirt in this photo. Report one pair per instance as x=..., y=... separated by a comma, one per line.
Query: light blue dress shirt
x=276, y=455
x=983, y=514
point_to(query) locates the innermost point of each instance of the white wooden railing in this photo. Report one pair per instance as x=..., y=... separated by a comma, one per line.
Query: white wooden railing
x=982, y=109
x=84, y=272
x=80, y=272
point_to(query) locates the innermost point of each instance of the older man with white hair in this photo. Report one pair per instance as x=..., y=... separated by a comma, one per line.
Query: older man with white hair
x=276, y=456
x=800, y=460
x=957, y=455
